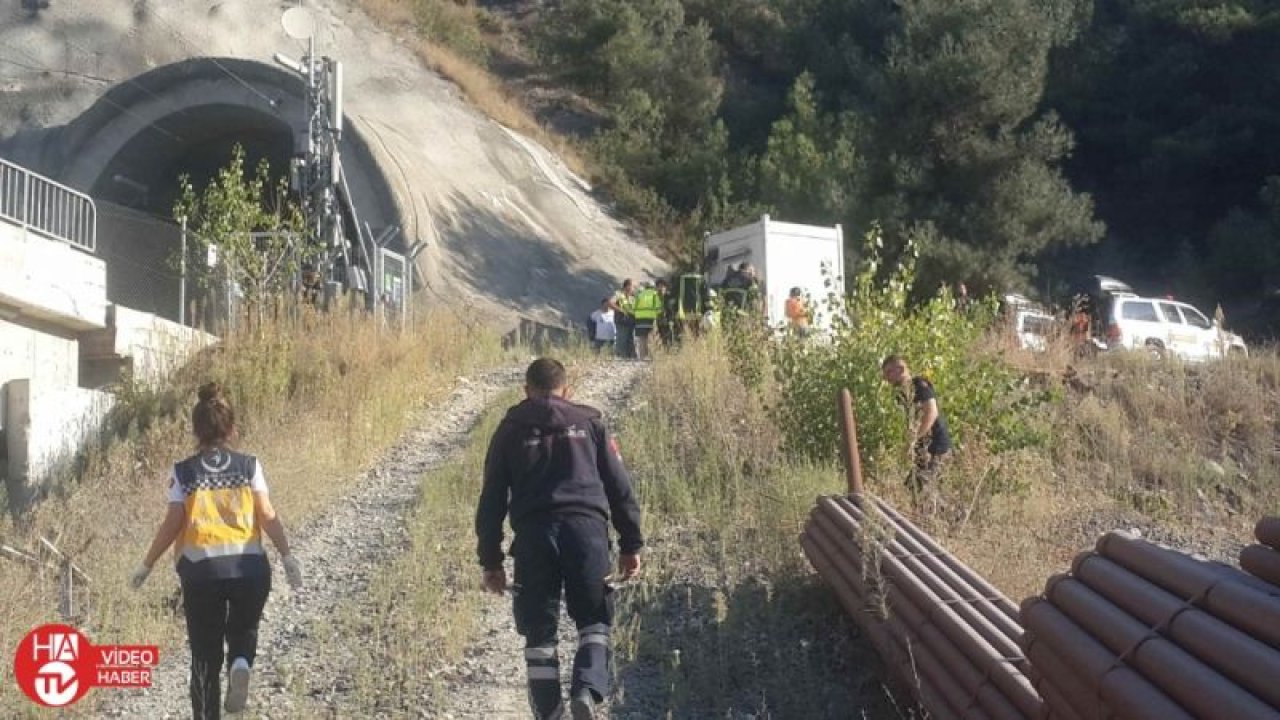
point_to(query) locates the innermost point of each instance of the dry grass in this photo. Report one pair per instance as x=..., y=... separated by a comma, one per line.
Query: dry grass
x=420, y=610
x=315, y=404
x=1186, y=451
x=447, y=44
x=728, y=608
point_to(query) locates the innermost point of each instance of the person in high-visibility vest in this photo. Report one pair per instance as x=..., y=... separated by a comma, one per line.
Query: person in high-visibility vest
x=648, y=307
x=218, y=511
x=797, y=311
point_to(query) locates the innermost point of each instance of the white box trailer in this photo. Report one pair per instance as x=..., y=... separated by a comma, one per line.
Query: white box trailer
x=785, y=255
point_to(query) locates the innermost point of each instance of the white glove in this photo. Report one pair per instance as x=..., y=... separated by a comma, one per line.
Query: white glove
x=292, y=571
x=139, y=576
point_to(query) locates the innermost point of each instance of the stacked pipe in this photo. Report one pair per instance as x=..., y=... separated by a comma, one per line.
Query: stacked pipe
x=945, y=633
x=1263, y=560
x=1141, y=631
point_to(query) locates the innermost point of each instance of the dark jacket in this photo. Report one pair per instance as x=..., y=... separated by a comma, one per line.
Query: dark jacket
x=552, y=457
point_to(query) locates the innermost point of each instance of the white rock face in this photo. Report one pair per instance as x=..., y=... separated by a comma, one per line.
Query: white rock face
x=510, y=230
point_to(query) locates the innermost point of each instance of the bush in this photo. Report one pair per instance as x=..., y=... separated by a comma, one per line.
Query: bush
x=457, y=25
x=982, y=398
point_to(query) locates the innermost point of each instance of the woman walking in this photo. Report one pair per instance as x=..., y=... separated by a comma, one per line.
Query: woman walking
x=218, y=510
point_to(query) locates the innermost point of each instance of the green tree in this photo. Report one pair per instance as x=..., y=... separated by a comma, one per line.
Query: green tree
x=252, y=226
x=1177, y=130
x=810, y=168
x=969, y=164
x=658, y=74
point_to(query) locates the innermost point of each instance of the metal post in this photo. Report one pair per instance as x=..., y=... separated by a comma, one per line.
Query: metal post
x=849, y=448
x=182, y=274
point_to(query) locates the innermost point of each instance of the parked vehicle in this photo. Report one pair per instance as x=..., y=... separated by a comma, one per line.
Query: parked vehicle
x=1034, y=328
x=1032, y=323
x=785, y=255
x=1167, y=327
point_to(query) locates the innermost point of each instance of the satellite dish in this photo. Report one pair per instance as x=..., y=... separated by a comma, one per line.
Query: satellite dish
x=298, y=23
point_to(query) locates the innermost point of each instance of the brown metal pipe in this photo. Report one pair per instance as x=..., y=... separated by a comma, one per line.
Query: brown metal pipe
x=987, y=604
x=1193, y=684
x=1003, y=668
x=926, y=664
x=849, y=448
x=1074, y=694
x=1253, y=665
x=1268, y=532
x=979, y=583
x=912, y=665
x=1246, y=607
x=895, y=659
x=1056, y=706
x=930, y=642
x=1119, y=686
x=1261, y=562
x=853, y=517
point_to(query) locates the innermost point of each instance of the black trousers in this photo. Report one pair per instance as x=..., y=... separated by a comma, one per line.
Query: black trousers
x=220, y=611
x=569, y=553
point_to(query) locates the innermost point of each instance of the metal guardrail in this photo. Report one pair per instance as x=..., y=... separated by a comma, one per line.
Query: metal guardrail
x=47, y=207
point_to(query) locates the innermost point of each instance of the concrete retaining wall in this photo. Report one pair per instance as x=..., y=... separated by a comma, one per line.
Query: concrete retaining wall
x=50, y=281
x=47, y=428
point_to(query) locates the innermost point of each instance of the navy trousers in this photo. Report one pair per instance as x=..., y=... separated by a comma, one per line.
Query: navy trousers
x=569, y=554
x=220, y=611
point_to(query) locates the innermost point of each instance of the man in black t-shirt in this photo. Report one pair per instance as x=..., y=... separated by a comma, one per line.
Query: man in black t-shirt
x=930, y=438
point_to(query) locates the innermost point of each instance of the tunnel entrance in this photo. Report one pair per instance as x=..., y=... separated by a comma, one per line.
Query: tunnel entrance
x=137, y=189
x=144, y=175
x=129, y=149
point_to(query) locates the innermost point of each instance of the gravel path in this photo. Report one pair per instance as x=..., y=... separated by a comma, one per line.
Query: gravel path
x=347, y=544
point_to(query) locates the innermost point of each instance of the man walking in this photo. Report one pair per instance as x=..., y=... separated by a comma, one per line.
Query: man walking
x=553, y=466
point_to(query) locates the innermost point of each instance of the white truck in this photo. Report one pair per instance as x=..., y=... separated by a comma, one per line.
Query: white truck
x=785, y=256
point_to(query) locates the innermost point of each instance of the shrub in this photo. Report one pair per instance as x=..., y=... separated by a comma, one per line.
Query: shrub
x=982, y=398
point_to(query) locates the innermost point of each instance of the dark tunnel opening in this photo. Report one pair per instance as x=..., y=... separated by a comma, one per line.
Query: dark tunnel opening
x=197, y=142
x=139, y=186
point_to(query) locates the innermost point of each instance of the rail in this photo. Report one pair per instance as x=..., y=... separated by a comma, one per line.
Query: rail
x=51, y=209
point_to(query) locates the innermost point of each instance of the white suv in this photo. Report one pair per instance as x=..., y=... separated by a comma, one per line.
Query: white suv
x=1165, y=327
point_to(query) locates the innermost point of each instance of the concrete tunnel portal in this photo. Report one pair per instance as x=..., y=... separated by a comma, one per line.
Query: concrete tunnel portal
x=130, y=147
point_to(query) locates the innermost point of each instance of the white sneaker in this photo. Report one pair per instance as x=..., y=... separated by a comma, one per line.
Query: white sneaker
x=237, y=686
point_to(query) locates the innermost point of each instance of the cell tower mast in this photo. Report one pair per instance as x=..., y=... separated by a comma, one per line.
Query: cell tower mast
x=317, y=173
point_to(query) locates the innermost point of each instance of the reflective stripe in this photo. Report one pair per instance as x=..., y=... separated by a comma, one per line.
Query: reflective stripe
x=596, y=628
x=593, y=639
x=540, y=653
x=196, y=553
x=543, y=672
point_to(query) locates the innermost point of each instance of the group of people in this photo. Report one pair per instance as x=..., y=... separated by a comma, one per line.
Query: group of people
x=627, y=320
x=553, y=470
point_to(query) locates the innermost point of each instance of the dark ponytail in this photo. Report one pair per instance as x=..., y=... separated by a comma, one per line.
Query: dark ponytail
x=212, y=419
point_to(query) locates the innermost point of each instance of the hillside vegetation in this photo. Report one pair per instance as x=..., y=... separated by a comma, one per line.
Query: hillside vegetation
x=1004, y=138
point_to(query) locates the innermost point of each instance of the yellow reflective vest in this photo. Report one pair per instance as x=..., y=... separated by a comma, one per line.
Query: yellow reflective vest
x=221, y=538
x=648, y=304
